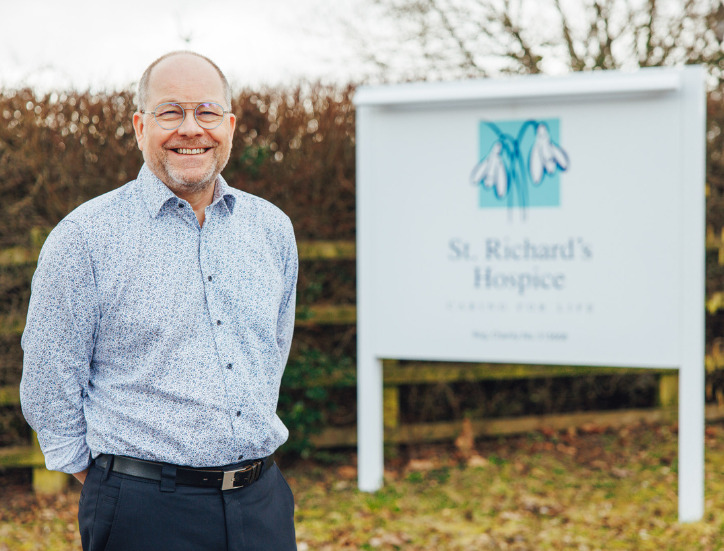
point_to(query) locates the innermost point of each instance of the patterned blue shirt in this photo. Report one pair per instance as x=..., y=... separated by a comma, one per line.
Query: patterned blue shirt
x=151, y=336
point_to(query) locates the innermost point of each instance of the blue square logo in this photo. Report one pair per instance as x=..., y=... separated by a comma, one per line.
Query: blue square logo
x=520, y=163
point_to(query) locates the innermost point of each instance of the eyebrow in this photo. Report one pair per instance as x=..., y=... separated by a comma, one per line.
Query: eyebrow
x=189, y=102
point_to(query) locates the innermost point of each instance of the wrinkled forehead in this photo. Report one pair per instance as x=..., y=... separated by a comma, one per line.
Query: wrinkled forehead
x=185, y=78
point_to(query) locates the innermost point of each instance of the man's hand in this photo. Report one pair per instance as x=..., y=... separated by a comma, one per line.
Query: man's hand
x=81, y=475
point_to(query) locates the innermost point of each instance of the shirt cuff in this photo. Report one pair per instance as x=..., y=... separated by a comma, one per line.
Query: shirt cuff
x=67, y=454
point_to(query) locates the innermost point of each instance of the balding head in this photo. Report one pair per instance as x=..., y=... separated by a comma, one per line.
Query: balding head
x=144, y=84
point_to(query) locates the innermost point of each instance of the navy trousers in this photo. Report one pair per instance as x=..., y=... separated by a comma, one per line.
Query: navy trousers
x=118, y=512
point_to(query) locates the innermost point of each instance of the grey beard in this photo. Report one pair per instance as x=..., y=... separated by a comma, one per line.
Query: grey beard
x=180, y=183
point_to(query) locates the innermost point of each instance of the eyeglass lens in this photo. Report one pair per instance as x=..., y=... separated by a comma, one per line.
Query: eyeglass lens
x=171, y=115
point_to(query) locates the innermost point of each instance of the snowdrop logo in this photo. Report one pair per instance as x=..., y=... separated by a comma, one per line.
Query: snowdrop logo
x=520, y=164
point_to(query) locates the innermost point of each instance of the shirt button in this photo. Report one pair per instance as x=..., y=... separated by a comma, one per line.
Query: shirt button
x=210, y=278
x=229, y=365
x=218, y=322
x=238, y=414
x=241, y=457
x=180, y=205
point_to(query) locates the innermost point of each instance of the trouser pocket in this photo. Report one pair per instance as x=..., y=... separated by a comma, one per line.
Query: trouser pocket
x=97, y=508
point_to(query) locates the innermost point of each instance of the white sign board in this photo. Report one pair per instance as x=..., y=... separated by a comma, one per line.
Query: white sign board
x=535, y=220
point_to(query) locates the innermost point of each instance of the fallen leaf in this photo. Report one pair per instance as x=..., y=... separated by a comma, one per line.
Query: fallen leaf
x=421, y=465
x=347, y=472
x=477, y=461
x=592, y=428
x=568, y=450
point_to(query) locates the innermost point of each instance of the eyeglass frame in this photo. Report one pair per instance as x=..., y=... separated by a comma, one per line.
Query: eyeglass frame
x=183, y=119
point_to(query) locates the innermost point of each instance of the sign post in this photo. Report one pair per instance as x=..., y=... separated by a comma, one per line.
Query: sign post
x=535, y=220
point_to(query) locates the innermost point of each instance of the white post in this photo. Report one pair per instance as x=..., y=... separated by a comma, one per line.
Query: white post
x=691, y=372
x=370, y=429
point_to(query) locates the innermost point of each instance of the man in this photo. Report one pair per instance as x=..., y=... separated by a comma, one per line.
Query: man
x=158, y=329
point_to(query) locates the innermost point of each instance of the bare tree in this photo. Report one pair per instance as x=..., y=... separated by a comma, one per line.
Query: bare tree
x=433, y=39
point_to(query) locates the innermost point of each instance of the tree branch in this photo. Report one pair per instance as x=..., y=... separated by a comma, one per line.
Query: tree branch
x=528, y=59
x=577, y=63
x=468, y=57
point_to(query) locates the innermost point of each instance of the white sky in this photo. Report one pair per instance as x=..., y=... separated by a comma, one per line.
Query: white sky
x=49, y=44
x=98, y=44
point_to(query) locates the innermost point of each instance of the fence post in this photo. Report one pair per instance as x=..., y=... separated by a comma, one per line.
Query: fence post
x=391, y=412
x=668, y=390
x=45, y=481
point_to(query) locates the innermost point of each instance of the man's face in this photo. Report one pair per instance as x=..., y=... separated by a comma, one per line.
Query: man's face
x=188, y=158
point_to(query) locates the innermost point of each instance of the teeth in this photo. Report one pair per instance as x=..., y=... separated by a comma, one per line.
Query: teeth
x=190, y=151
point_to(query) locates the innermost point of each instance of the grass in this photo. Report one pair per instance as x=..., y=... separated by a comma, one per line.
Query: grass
x=593, y=491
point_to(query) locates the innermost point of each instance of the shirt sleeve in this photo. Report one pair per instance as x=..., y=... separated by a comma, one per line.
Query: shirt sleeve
x=58, y=345
x=287, y=308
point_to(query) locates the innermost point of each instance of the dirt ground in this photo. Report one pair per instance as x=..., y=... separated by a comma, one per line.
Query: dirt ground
x=583, y=489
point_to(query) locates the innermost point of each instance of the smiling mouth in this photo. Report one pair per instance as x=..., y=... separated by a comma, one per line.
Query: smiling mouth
x=189, y=151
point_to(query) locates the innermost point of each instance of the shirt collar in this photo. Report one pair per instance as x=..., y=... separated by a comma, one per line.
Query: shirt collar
x=223, y=191
x=156, y=194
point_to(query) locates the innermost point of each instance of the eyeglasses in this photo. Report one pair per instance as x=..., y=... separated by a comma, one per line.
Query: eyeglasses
x=170, y=116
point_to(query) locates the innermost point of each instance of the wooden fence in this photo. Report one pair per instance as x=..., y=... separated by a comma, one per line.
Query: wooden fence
x=397, y=374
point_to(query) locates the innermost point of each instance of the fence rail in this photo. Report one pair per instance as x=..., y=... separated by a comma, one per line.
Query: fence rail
x=397, y=374
x=324, y=250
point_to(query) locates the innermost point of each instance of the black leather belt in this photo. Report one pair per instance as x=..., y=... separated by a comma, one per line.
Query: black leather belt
x=189, y=476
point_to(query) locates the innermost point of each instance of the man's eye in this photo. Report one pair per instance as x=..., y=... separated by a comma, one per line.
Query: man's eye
x=169, y=112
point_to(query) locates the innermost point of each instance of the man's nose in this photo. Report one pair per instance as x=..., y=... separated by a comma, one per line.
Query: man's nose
x=190, y=127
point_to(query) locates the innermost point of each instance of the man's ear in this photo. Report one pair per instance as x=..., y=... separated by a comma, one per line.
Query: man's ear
x=139, y=128
x=232, y=125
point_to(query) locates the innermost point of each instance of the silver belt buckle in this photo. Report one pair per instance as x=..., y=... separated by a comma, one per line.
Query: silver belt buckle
x=228, y=482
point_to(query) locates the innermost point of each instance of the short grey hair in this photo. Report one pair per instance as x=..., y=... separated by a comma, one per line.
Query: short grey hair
x=144, y=83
